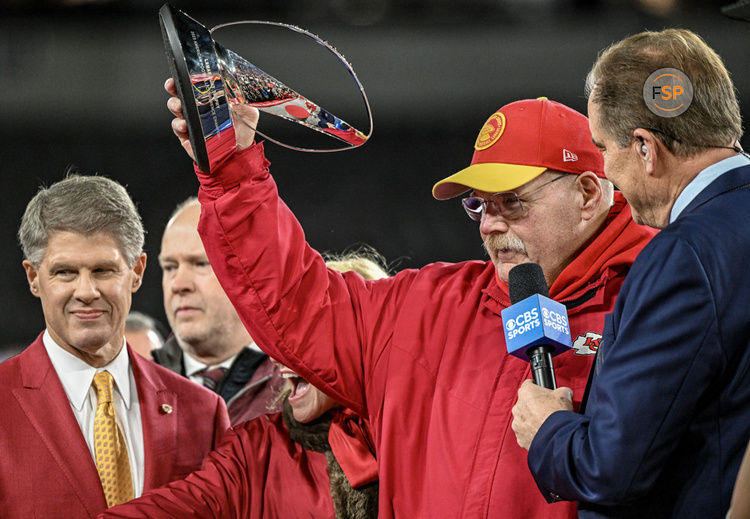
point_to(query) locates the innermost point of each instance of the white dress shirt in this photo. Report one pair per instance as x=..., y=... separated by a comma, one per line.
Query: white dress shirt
x=76, y=377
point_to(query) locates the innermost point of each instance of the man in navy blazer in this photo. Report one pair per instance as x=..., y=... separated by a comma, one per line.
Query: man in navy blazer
x=82, y=239
x=667, y=416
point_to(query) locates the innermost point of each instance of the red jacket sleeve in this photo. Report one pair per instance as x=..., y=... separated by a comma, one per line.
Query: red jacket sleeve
x=328, y=327
x=221, y=422
x=220, y=490
x=257, y=472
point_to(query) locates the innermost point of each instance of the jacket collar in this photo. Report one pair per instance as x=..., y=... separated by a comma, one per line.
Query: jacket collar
x=47, y=408
x=610, y=253
x=734, y=179
x=160, y=412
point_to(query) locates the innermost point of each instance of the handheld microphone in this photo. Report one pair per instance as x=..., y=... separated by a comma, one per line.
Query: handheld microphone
x=536, y=327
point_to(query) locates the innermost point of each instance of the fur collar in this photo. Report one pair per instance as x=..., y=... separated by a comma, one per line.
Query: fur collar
x=348, y=502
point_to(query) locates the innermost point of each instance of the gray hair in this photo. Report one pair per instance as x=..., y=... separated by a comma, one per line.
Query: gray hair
x=608, y=188
x=137, y=321
x=84, y=205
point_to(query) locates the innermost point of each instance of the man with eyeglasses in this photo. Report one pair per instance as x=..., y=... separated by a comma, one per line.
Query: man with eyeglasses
x=422, y=355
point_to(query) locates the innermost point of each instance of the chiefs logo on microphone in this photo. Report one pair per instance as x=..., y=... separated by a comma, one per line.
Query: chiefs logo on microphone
x=587, y=344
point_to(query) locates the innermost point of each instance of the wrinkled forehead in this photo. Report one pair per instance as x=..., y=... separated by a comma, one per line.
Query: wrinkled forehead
x=181, y=237
x=63, y=244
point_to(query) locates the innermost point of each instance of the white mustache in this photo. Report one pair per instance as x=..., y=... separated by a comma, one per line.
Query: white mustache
x=497, y=241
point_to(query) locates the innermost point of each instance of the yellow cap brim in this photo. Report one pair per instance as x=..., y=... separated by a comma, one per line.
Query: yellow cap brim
x=490, y=177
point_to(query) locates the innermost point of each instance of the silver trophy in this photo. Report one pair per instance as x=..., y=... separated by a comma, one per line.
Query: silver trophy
x=209, y=77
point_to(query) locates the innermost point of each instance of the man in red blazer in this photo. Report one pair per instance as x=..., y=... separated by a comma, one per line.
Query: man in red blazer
x=82, y=240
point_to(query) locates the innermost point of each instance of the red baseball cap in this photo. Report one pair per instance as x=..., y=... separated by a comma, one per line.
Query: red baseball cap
x=521, y=141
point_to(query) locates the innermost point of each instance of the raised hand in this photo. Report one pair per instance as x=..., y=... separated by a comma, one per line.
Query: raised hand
x=244, y=119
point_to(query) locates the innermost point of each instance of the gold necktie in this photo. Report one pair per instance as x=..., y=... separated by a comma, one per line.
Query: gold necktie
x=112, y=461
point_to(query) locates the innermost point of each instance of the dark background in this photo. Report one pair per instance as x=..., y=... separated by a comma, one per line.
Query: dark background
x=83, y=87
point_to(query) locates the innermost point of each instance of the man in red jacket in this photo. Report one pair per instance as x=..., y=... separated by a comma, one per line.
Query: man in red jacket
x=87, y=423
x=422, y=354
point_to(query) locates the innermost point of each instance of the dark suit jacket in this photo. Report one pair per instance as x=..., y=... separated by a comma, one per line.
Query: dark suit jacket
x=668, y=416
x=46, y=468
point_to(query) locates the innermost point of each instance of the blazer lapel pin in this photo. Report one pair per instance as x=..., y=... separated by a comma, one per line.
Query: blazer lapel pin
x=166, y=409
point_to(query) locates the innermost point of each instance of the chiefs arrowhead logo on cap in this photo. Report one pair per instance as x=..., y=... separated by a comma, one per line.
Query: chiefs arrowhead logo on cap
x=491, y=131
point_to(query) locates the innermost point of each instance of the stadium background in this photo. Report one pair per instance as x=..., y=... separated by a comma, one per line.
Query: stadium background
x=83, y=87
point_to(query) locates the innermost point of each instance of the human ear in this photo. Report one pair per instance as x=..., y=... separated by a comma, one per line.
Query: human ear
x=647, y=148
x=590, y=189
x=138, y=269
x=32, y=276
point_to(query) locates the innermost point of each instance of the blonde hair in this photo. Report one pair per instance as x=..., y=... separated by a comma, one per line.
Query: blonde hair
x=365, y=261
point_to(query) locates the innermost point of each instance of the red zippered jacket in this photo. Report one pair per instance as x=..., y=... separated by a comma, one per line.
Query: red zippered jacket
x=257, y=472
x=421, y=355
